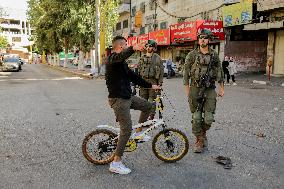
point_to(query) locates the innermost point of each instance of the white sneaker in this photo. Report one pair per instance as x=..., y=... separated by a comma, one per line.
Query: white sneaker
x=119, y=168
x=234, y=83
x=145, y=138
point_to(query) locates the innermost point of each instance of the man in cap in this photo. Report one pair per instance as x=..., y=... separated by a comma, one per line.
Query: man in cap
x=202, y=68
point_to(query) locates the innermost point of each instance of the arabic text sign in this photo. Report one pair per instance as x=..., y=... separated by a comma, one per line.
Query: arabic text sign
x=131, y=41
x=216, y=27
x=143, y=39
x=185, y=31
x=162, y=37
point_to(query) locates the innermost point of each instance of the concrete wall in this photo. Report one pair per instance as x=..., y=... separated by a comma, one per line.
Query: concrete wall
x=124, y=31
x=250, y=56
x=278, y=66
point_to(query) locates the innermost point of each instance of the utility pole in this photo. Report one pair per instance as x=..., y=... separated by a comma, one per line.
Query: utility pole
x=130, y=19
x=97, y=41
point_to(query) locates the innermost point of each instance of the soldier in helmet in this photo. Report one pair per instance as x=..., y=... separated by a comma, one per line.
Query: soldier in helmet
x=202, y=61
x=152, y=70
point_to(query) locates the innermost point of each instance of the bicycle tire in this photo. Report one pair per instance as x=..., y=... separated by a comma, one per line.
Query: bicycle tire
x=86, y=140
x=177, y=157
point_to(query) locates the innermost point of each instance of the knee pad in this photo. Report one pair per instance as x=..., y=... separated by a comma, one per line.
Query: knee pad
x=197, y=117
x=208, y=118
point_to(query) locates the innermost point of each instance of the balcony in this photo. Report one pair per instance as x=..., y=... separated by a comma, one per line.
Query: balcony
x=10, y=26
x=124, y=8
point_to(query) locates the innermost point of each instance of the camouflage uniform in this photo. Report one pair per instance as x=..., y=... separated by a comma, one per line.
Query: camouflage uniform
x=152, y=70
x=196, y=65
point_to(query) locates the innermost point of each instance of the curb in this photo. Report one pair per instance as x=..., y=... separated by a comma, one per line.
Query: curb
x=86, y=76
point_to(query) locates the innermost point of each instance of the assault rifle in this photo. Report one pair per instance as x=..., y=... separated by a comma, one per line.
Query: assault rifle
x=204, y=83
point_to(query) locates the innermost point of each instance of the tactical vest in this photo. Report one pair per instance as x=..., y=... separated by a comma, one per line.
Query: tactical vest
x=150, y=67
x=199, y=69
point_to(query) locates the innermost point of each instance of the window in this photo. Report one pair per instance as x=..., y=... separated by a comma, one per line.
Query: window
x=150, y=28
x=133, y=11
x=142, y=30
x=142, y=7
x=152, y=5
x=163, y=25
x=125, y=24
x=118, y=26
x=16, y=39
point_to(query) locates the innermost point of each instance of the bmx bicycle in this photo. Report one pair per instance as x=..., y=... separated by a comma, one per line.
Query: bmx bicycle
x=169, y=144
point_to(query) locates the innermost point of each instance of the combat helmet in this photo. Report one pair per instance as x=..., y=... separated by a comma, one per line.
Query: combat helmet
x=206, y=32
x=151, y=43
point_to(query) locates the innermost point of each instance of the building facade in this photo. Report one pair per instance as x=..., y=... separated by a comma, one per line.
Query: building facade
x=271, y=22
x=157, y=18
x=16, y=28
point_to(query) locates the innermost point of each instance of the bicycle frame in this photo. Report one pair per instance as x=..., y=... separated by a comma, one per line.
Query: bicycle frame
x=155, y=123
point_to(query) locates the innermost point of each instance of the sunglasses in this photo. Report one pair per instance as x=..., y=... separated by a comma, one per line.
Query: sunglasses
x=203, y=37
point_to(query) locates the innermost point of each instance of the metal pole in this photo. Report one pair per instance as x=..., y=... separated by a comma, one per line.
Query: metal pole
x=97, y=39
x=131, y=21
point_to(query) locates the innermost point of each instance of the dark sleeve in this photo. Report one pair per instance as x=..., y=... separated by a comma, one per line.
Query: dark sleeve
x=121, y=57
x=138, y=80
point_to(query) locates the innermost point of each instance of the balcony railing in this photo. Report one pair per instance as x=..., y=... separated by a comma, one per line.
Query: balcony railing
x=123, y=8
x=11, y=26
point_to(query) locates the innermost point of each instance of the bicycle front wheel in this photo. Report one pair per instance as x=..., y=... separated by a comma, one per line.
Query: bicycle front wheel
x=170, y=145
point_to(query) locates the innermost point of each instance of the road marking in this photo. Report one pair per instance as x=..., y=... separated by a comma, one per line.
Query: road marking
x=5, y=73
x=50, y=79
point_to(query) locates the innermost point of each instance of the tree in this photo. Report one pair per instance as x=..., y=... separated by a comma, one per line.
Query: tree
x=3, y=42
x=68, y=23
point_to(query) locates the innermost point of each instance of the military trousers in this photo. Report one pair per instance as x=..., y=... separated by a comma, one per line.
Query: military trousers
x=121, y=108
x=202, y=114
x=149, y=95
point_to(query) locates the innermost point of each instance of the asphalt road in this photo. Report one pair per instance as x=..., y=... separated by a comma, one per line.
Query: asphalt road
x=45, y=115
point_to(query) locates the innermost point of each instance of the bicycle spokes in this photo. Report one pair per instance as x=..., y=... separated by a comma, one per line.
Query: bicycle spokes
x=170, y=145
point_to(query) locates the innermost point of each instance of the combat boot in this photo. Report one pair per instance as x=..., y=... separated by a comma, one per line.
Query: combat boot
x=198, y=146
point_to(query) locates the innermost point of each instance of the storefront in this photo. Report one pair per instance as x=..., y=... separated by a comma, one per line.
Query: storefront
x=181, y=38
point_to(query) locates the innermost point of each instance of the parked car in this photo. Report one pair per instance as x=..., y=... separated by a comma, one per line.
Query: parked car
x=133, y=64
x=11, y=63
x=15, y=56
x=174, y=67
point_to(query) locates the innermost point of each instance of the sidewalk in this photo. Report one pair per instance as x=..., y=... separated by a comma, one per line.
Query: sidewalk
x=259, y=78
x=85, y=73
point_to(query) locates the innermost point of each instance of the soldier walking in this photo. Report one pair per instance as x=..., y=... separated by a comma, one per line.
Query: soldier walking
x=152, y=70
x=203, y=69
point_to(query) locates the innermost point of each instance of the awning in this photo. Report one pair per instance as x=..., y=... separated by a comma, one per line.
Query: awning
x=265, y=25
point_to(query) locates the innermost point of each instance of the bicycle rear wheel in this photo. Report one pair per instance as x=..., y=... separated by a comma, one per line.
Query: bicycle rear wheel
x=98, y=147
x=170, y=145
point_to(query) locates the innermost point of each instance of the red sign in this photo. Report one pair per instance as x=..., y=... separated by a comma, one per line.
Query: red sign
x=183, y=32
x=162, y=37
x=131, y=41
x=143, y=39
x=216, y=27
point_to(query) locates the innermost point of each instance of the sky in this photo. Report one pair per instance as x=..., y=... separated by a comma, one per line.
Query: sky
x=15, y=4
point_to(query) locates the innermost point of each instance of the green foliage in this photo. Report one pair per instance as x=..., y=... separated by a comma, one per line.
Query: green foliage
x=109, y=17
x=3, y=42
x=66, y=23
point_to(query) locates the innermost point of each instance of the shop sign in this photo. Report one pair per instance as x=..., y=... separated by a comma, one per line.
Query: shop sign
x=162, y=37
x=183, y=32
x=216, y=27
